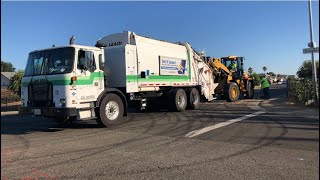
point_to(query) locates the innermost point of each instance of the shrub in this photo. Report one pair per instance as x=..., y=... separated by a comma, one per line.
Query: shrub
x=9, y=95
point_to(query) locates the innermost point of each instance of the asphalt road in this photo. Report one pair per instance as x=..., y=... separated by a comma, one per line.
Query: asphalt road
x=248, y=139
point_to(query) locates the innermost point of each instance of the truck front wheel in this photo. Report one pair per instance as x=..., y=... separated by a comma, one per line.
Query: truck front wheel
x=110, y=111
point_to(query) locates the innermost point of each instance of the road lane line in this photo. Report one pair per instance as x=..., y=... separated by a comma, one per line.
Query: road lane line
x=216, y=126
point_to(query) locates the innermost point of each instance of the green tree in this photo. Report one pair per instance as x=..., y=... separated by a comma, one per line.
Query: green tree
x=256, y=78
x=15, y=85
x=7, y=67
x=305, y=70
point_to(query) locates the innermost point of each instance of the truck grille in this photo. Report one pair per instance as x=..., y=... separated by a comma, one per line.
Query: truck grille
x=40, y=94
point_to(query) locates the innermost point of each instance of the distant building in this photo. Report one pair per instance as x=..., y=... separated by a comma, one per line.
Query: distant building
x=5, y=79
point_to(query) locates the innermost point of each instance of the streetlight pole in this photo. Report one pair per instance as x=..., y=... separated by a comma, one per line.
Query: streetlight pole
x=312, y=45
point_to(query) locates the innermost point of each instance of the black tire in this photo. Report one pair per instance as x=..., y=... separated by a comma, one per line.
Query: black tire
x=193, y=98
x=232, y=92
x=178, y=100
x=250, y=90
x=116, y=105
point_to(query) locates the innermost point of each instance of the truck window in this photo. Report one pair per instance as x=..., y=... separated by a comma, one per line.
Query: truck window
x=37, y=65
x=86, y=61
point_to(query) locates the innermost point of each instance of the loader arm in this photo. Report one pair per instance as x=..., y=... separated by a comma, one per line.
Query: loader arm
x=218, y=68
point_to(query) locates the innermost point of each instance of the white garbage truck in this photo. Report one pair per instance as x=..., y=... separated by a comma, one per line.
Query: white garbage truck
x=76, y=82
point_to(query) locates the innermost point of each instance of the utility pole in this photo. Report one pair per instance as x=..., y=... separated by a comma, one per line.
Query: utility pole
x=313, y=45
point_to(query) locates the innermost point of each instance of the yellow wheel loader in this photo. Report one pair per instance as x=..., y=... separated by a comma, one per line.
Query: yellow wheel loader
x=231, y=78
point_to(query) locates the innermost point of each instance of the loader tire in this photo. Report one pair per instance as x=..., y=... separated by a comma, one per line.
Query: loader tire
x=193, y=98
x=178, y=100
x=110, y=111
x=232, y=92
x=250, y=90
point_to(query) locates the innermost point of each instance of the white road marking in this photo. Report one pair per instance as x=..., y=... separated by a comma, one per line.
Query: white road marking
x=216, y=126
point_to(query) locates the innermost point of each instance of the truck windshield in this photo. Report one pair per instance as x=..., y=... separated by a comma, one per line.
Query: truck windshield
x=53, y=61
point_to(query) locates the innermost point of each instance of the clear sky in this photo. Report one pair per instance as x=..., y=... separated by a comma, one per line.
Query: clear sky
x=270, y=34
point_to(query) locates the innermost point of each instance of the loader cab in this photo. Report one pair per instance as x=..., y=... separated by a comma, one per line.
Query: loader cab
x=235, y=65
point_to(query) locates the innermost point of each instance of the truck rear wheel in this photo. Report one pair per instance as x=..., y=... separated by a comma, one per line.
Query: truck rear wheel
x=110, y=111
x=193, y=98
x=178, y=100
x=232, y=92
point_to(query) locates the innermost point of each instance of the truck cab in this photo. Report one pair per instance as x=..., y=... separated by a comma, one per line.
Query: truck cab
x=60, y=81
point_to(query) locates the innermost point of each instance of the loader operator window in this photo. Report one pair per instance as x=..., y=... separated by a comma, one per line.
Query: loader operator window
x=232, y=65
x=86, y=61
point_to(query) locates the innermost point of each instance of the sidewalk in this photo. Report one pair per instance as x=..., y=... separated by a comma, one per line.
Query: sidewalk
x=283, y=106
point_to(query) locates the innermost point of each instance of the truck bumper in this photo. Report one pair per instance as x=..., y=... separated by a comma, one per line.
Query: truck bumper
x=48, y=111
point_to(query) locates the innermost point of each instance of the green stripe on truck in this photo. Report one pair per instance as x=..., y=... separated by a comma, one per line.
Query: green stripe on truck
x=65, y=80
x=157, y=78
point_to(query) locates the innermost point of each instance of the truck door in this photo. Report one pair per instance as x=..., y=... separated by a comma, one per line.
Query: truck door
x=88, y=76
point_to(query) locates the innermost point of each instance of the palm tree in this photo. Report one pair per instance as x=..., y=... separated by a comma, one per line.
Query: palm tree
x=264, y=69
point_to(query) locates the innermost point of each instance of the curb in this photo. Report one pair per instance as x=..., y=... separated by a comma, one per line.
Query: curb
x=9, y=113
